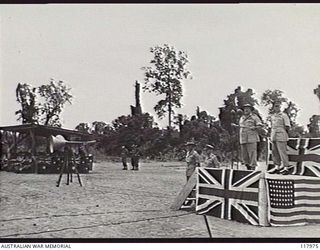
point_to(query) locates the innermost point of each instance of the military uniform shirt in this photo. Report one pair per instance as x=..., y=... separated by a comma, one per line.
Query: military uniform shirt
x=279, y=122
x=193, y=161
x=211, y=161
x=248, y=135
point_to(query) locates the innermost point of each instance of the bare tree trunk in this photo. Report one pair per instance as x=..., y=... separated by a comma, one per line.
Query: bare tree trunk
x=170, y=107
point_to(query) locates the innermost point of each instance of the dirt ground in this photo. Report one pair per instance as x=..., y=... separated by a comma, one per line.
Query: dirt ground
x=114, y=203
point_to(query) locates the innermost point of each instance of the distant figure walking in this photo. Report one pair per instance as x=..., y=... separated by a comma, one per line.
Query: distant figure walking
x=192, y=159
x=135, y=157
x=124, y=155
x=211, y=160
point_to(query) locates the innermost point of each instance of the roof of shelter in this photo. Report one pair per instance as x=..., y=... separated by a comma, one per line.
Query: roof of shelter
x=42, y=130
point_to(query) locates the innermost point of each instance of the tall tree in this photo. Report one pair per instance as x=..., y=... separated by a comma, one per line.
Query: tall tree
x=55, y=94
x=26, y=96
x=43, y=104
x=165, y=77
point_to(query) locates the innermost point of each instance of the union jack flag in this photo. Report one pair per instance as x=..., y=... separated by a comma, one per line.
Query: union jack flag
x=229, y=194
x=304, y=155
x=293, y=199
x=187, y=205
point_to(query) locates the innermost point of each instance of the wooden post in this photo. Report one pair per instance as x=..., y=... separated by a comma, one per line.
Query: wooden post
x=184, y=193
x=33, y=151
x=263, y=202
x=15, y=142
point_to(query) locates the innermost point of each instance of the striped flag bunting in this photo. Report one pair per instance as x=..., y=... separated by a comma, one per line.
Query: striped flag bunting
x=304, y=155
x=229, y=194
x=293, y=199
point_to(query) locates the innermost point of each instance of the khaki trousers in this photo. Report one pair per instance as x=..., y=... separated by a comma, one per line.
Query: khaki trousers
x=279, y=153
x=249, y=154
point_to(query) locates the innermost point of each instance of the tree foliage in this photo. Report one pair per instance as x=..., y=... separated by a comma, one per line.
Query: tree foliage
x=26, y=96
x=83, y=127
x=165, y=77
x=270, y=96
x=314, y=126
x=231, y=111
x=55, y=95
x=44, y=104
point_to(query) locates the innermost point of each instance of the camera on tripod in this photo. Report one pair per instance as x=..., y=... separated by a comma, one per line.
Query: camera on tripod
x=60, y=144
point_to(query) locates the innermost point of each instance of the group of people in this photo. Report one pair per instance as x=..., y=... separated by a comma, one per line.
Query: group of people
x=134, y=153
x=250, y=127
x=194, y=159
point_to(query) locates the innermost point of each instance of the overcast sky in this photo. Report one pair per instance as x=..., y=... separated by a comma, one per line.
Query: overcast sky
x=98, y=50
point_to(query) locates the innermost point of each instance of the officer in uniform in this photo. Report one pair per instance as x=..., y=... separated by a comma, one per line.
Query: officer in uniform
x=280, y=124
x=249, y=124
x=211, y=160
x=135, y=157
x=192, y=159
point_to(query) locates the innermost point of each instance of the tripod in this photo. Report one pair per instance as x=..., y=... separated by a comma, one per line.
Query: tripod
x=66, y=167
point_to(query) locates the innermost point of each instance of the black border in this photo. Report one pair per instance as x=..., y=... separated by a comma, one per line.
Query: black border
x=160, y=240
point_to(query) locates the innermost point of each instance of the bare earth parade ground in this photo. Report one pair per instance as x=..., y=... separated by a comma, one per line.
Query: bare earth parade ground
x=114, y=203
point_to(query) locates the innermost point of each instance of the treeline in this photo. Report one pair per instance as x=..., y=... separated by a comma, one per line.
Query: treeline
x=164, y=77
x=203, y=128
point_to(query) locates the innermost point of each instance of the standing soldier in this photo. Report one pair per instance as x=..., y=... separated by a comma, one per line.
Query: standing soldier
x=280, y=125
x=211, y=160
x=124, y=155
x=249, y=123
x=192, y=159
x=135, y=157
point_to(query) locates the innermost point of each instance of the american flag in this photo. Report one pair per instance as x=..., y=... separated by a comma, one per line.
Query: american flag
x=304, y=155
x=293, y=199
x=229, y=194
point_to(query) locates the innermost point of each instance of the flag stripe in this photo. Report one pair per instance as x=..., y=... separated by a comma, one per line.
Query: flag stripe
x=306, y=185
x=294, y=222
x=306, y=203
x=296, y=217
x=306, y=181
x=207, y=179
x=252, y=196
x=304, y=157
x=246, y=189
x=305, y=189
x=249, y=211
x=304, y=193
x=286, y=214
x=226, y=183
x=244, y=212
x=305, y=197
x=209, y=186
x=248, y=177
x=209, y=207
x=203, y=196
